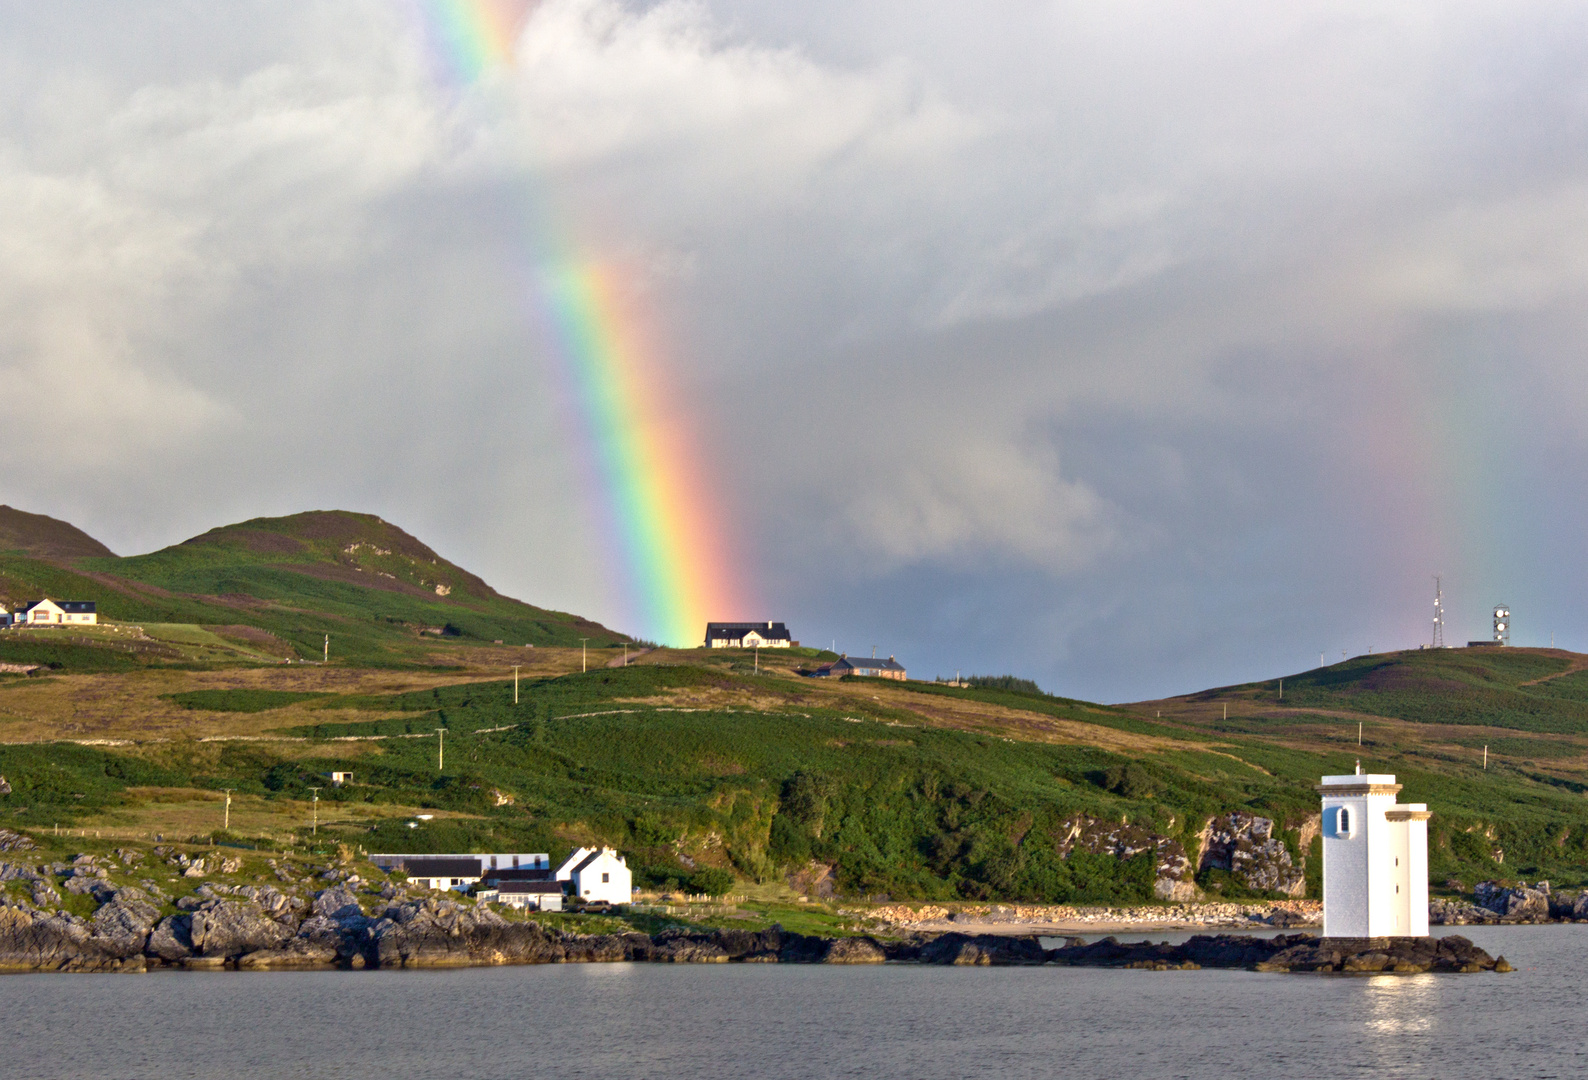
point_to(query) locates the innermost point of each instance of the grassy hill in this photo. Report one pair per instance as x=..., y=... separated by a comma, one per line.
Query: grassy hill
x=691, y=764
x=41, y=537
x=265, y=590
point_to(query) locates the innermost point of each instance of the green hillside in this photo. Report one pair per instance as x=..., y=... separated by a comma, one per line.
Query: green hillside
x=383, y=596
x=1543, y=690
x=690, y=768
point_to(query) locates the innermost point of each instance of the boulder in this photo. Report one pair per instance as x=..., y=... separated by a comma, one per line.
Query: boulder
x=1245, y=845
x=853, y=950
x=228, y=928
x=981, y=949
x=1520, y=903
x=171, y=940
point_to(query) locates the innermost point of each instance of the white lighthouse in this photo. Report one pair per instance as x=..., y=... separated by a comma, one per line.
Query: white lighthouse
x=1375, y=859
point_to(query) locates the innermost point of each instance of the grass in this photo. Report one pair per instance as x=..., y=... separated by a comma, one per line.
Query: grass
x=905, y=790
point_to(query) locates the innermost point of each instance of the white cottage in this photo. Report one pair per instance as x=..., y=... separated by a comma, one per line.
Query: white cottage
x=47, y=612
x=598, y=875
x=1375, y=859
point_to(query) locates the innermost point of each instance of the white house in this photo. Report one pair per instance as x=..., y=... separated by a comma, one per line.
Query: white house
x=748, y=635
x=1375, y=859
x=535, y=895
x=596, y=875
x=47, y=612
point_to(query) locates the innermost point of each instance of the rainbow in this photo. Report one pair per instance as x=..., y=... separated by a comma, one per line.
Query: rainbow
x=659, y=520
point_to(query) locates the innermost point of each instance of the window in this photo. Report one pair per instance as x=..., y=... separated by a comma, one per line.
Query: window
x=1343, y=822
x=605, y=878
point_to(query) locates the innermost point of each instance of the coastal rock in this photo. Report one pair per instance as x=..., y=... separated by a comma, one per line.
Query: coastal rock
x=981, y=949
x=1458, y=912
x=853, y=950
x=434, y=932
x=125, y=922
x=1245, y=845
x=38, y=941
x=1287, y=953
x=228, y=928
x=1521, y=902
x=172, y=940
x=1172, y=876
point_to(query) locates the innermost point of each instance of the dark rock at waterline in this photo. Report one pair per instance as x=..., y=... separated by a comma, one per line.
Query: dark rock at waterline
x=263, y=932
x=1288, y=952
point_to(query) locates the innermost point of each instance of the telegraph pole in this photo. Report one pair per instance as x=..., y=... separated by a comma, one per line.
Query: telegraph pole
x=515, y=684
x=584, y=654
x=227, y=827
x=441, y=749
x=625, y=654
x=327, y=658
x=314, y=804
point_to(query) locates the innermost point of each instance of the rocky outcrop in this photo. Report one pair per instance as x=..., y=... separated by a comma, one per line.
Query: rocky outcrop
x=1172, y=873
x=982, y=949
x=1292, y=952
x=1245, y=846
x=229, y=929
x=1522, y=903
x=1442, y=912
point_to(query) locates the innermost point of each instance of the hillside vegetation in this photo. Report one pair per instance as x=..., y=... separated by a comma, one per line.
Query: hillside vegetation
x=704, y=763
x=265, y=590
x=866, y=788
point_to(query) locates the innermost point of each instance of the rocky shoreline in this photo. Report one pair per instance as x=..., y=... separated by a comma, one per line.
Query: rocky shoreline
x=126, y=934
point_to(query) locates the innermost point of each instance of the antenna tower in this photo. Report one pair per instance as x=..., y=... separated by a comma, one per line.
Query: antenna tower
x=1439, y=615
x=1502, y=625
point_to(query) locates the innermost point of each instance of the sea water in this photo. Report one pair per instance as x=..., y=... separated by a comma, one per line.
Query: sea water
x=775, y=1021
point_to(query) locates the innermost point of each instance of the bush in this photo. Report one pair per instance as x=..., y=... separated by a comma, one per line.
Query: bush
x=712, y=881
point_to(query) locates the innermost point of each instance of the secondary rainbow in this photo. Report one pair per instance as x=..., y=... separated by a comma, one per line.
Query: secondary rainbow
x=665, y=531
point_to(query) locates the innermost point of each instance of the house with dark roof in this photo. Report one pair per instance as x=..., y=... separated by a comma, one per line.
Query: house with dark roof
x=748, y=635
x=49, y=612
x=536, y=895
x=598, y=875
x=862, y=667
x=455, y=871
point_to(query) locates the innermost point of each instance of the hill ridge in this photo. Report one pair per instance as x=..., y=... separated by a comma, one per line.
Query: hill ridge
x=43, y=537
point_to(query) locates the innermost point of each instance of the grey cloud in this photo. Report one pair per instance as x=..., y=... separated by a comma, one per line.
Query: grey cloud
x=1135, y=347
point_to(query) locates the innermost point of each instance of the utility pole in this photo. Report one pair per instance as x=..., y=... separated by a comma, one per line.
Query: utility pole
x=515, y=684
x=758, y=659
x=1359, y=733
x=441, y=749
x=1485, y=757
x=327, y=658
x=1281, y=689
x=584, y=654
x=625, y=654
x=314, y=804
x=227, y=827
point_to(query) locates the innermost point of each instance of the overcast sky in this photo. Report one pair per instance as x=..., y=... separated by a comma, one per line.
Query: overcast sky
x=1132, y=347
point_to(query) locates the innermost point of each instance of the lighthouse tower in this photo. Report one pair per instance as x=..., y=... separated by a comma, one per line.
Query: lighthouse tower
x=1375, y=859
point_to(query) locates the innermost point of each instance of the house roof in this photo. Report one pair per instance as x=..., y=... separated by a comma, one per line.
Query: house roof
x=444, y=867
x=862, y=663
x=524, y=873
x=530, y=888
x=772, y=631
x=75, y=607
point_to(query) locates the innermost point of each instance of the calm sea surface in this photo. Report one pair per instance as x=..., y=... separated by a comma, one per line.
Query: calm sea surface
x=769, y=1021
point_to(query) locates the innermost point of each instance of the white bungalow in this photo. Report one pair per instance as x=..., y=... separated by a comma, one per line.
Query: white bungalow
x=598, y=875
x=47, y=612
x=748, y=635
x=1375, y=859
x=457, y=871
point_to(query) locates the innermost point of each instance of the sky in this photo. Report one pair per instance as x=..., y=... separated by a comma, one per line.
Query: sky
x=1134, y=348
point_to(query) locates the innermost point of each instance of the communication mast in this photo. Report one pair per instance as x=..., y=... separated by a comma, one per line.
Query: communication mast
x=1502, y=625
x=1439, y=615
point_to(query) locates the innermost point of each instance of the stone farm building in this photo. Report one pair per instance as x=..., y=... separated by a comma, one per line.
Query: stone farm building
x=48, y=612
x=860, y=666
x=748, y=635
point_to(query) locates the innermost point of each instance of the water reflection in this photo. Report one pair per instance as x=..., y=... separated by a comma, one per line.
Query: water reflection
x=1400, y=1005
